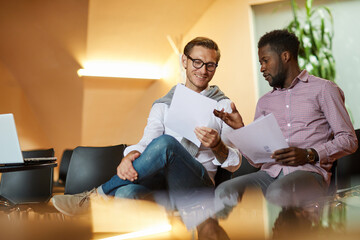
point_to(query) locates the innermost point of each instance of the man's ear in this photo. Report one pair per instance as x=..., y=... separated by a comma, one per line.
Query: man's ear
x=285, y=56
x=183, y=61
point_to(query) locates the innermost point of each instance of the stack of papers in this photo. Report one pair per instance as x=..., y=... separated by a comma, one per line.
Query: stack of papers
x=187, y=111
x=259, y=139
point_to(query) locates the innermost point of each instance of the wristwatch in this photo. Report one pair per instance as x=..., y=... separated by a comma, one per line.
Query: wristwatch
x=310, y=155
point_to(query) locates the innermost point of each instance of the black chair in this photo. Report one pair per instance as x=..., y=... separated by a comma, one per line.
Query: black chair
x=223, y=174
x=59, y=185
x=64, y=166
x=92, y=166
x=245, y=168
x=348, y=168
x=28, y=186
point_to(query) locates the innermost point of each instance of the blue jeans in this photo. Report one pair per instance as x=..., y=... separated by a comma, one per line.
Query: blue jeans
x=163, y=158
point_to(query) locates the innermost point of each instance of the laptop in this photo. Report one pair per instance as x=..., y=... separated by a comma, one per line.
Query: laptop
x=10, y=151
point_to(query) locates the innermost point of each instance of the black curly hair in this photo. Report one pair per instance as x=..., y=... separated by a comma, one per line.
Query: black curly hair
x=280, y=41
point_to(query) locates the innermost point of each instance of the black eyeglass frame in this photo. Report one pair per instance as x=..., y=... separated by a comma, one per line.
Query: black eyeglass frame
x=206, y=64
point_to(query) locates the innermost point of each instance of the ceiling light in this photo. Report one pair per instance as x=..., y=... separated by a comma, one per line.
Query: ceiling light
x=137, y=70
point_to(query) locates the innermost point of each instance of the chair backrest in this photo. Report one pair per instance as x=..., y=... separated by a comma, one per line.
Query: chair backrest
x=64, y=165
x=29, y=186
x=92, y=166
x=245, y=168
x=333, y=187
x=223, y=174
x=348, y=168
x=39, y=153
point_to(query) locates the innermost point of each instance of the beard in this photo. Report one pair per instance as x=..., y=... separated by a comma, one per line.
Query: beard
x=279, y=79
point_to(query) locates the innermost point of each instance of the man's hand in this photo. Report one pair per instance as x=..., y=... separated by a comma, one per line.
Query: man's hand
x=208, y=137
x=233, y=119
x=125, y=170
x=291, y=156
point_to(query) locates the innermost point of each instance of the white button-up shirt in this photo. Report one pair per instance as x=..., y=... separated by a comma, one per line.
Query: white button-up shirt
x=156, y=127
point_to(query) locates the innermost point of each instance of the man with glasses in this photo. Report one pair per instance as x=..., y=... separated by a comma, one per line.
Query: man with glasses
x=163, y=160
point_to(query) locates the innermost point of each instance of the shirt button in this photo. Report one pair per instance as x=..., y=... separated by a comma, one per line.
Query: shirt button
x=287, y=106
x=287, y=140
x=289, y=90
x=288, y=124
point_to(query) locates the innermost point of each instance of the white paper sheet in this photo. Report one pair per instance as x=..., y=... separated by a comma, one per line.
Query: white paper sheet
x=188, y=110
x=259, y=139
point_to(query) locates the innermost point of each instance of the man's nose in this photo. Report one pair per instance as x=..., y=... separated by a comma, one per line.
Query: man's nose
x=203, y=69
x=262, y=68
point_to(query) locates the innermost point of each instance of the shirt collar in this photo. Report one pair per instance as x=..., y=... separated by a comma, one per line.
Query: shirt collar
x=303, y=77
x=205, y=90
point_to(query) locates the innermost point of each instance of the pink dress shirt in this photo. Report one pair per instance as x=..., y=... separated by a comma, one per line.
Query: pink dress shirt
x=311, y=114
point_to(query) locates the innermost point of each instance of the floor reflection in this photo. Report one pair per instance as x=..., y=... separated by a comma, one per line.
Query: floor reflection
x=329, y=217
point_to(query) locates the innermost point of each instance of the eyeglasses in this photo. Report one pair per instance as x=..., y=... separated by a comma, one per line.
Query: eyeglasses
x=197, y=63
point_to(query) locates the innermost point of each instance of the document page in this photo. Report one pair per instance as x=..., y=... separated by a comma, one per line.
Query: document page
x=188, y=110
x=259, y=139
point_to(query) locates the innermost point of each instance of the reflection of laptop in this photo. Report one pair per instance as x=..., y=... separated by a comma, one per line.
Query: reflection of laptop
x=10, y=151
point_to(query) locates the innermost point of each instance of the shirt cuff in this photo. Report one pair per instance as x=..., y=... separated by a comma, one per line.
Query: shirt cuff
x=232, y=162
x=138, y=148
x=323, y=156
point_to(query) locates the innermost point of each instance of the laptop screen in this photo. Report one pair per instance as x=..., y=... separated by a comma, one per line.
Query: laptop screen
x=10, y=151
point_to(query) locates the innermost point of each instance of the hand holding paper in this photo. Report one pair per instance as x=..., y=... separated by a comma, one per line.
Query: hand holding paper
x=187, y=111
x=259, y=139
x=209, y=137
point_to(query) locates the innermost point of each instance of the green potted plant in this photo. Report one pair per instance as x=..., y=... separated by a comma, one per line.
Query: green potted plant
x=315, y=33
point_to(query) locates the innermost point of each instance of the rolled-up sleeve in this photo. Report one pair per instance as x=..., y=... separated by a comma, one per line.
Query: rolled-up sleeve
x=233, y=161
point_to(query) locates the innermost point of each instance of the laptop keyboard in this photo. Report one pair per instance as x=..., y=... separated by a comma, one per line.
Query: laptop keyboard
x=39, y=160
